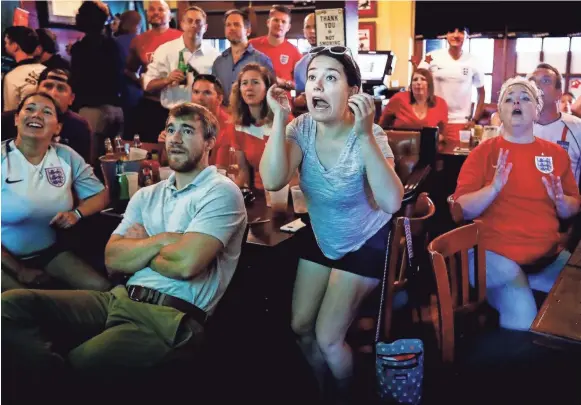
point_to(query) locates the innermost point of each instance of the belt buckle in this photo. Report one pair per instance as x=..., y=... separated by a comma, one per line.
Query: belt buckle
x=131, y=291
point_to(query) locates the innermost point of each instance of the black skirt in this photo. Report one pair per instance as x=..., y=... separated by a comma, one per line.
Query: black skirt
x=367, y=261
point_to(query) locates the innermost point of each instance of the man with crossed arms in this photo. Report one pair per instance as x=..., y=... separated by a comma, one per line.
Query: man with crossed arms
x=180, y=242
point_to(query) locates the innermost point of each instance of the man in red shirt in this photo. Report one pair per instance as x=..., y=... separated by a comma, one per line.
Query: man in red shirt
x=141, y=51
x=283, y=54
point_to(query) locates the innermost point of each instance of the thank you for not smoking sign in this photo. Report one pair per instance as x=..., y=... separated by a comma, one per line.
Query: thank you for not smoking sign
x=330, y=27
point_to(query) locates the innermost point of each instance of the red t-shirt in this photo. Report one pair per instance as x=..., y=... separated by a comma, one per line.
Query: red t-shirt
x=220, y=155
x=284, y=57
x=521, y=223
x=145, y=44
x=251, y=140
x=405, y=117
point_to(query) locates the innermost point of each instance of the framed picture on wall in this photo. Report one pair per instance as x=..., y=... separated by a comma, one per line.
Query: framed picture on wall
x=367, y=8
x=63, y=12
x=367, y=36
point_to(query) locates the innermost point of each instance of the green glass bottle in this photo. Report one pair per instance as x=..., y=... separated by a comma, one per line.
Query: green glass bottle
x=184, y=67
x=122, y=180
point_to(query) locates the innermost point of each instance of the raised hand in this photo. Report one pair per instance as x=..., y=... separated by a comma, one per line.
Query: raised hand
x=278, y=101
x=363, y=108
x=502, y=171
x=554, y=189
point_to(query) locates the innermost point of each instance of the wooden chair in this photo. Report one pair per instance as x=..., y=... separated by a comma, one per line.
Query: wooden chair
x=454, y=294
x=397, y=279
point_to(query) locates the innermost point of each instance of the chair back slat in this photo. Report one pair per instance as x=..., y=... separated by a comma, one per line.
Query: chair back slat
x=464, y=278
x=445, y=320
x=453, y=276
x=480, y=273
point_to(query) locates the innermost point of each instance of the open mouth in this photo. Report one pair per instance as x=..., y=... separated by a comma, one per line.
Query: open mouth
x=517, y=111
x=33, y=124
x=320, y=104
x=176, y=152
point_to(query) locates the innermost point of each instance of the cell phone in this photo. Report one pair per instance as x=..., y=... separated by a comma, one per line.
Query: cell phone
x=293, y=226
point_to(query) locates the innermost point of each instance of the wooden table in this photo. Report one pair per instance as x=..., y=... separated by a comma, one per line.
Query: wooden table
x=560, y=315
x=454, y=148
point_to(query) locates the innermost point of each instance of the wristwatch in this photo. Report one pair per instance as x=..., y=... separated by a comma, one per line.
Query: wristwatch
x=78, y=213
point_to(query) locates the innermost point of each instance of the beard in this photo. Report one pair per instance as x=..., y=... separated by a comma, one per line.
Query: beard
x=185, y=166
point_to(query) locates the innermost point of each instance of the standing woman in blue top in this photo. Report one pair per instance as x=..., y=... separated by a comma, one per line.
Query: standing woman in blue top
x=38, y=179
x=351, y=190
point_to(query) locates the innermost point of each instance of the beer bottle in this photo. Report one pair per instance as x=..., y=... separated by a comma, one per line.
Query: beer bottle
x=108, y=147
x=123, y=184
x=184, y=67
x=136, y=141
x=118, y=144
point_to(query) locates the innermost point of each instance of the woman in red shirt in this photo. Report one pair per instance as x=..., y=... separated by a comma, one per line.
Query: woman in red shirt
x=418, y=107
x=252, y=121
x=518, y=186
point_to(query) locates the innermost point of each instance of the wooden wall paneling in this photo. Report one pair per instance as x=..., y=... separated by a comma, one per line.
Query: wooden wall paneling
x=510, y=61
x=499, y=69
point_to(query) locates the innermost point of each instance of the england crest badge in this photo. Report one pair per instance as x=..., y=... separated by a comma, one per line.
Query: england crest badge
x=284, y=59
x=544, y=164
x=55, y=176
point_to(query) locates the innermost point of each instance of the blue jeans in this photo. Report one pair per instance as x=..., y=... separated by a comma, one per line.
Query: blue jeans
x=509, y=289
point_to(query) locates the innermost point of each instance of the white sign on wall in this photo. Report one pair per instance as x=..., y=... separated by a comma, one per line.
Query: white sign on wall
x=330, y=27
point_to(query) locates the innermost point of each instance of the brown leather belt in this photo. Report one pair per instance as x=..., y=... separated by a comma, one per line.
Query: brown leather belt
x=154, y=297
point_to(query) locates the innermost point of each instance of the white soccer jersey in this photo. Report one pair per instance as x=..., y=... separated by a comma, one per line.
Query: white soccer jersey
x=33, y=194
x=453, y=81
x=19, y=82
x=566, y=131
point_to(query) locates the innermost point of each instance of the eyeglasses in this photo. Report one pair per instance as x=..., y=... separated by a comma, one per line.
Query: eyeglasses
x=335, y=50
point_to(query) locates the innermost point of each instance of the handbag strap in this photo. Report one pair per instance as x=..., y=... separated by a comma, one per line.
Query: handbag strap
x=383, y=283
x=408, y=241
x=410, y=254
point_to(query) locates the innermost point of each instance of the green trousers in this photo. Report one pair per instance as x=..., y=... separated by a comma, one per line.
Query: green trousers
x=90, y=331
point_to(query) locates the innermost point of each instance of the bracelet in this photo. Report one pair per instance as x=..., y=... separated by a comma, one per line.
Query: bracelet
x=78, y=213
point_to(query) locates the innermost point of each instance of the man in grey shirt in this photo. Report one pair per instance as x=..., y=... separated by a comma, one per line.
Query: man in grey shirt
x=228, y=65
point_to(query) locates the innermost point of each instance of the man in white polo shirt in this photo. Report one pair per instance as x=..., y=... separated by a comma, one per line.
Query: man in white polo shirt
x=180, y=242
x=455, y=72
x=553, y=125
x=163, y=73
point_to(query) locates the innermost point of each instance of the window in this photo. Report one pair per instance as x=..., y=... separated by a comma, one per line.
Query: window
x=555, y=51
x=482, y=49
x=528, y=54
x=302, y=44
x=219, y=44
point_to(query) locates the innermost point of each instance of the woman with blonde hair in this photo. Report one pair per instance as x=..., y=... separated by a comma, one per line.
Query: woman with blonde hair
x=518, y=186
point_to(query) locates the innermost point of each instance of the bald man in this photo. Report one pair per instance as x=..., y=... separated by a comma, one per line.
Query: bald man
x=301, y=66
x=141, y=51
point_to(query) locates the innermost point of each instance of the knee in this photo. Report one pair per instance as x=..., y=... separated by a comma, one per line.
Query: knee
x=301, y=325
x=516, y=306
x=330, y=343
x=99, y=284
x=14, y=303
